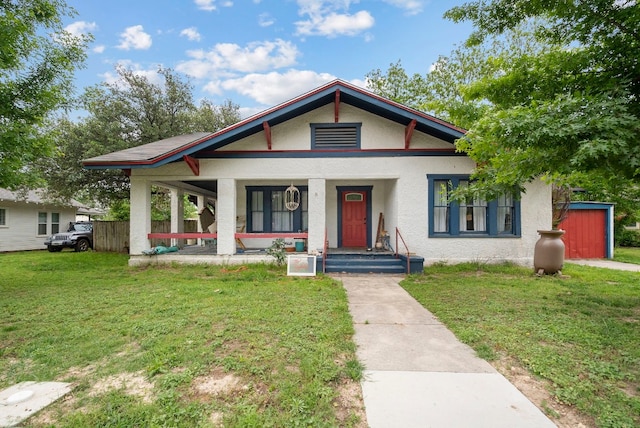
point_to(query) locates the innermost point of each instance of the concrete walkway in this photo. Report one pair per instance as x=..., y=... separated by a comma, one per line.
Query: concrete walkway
x=417, y=373
x=605, y=263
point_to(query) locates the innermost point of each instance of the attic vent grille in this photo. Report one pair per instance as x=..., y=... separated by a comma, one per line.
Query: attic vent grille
x=335, y=136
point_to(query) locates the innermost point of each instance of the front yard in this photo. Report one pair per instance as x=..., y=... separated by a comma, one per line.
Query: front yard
x=177, y=346
x=242, y=346
x=577, y=336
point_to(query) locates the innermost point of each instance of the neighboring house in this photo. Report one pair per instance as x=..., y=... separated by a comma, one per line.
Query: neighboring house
x=25, y=220
x=353, y=155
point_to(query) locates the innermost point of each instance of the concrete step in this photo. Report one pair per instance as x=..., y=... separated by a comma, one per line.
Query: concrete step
x=365, y=263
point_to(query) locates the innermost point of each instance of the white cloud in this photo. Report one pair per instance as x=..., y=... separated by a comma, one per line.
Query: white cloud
x=79, y=28
x=207, y=5
x=359, y=82
x=265, y=20
x=274, y=88
x=99, y=48
x=412, y=7
x=134, y=38
x=210, y=5
x=228, y=58
x=331, y=18
x=191, y=33
x=334, y=24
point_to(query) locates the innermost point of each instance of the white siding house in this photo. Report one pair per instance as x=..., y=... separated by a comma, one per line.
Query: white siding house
x=356, y=158
x=26, y=220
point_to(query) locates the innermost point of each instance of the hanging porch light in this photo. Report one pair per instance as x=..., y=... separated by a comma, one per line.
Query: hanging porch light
x=292, y=198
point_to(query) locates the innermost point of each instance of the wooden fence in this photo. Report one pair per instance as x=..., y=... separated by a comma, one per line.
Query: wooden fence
x=114, y=235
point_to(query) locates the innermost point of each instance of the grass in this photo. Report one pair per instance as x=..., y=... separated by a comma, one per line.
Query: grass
x=176, y=346
x=580, y=332
x=627, y=255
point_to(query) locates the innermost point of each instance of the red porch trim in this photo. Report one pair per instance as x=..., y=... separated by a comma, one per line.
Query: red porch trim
x=267, y=133
x=193, y=163
x=408, y=133
x=185, y=235
x=302, y=235
x=195, y=235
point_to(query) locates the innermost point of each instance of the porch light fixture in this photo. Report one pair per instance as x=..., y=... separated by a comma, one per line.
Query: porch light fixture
x=292, y=198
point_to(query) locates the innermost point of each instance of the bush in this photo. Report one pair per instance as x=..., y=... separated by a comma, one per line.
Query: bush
x=629, y=238
x=277, y=251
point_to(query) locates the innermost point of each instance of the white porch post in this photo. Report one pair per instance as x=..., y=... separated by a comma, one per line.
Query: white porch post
x=177, y=214
x=200, y=206
x=140, y=215
x=317, y=213
x=226, y=216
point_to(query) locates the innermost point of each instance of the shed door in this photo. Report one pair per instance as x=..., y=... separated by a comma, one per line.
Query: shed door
x=354, y=219
x=585, y=236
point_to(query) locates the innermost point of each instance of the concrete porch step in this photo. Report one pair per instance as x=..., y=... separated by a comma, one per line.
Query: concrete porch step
x=367, y=262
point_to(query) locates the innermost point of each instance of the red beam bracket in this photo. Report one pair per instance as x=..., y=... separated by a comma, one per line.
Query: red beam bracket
x=408, y=133
x=267, y=133
x=336, y=107
x=193, y=163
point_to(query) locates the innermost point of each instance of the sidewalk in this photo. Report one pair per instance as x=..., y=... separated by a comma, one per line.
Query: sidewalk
x=417, y=374
x=605, y=263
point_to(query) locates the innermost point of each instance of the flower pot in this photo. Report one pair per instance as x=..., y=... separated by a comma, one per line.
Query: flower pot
x=548, y=254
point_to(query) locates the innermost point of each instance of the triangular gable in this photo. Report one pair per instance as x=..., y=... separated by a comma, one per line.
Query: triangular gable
x=177, y=148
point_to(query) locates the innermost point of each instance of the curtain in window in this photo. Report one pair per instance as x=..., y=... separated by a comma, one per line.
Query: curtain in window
x=281, y=217
x=440, y=206
x=257, y=211
x=505, y=213
x=305, y=210
x=473, y=213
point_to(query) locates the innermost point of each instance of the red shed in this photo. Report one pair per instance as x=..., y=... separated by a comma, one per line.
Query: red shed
x=589, y=231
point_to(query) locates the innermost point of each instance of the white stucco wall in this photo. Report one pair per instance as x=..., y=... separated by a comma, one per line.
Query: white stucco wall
x=21, y=229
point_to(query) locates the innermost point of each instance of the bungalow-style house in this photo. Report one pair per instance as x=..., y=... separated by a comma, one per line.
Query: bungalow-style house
x=27, y=219
x=367, y=169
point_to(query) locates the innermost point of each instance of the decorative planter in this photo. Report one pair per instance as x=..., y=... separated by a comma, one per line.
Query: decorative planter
x=548, y=255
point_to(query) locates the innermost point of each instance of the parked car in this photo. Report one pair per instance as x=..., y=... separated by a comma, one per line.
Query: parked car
x=79, y=236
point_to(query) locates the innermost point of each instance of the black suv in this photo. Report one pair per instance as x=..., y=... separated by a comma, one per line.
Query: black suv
x=79, y=236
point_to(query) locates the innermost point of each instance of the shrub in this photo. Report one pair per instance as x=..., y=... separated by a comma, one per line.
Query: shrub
x=629, y=238
x=277, y=251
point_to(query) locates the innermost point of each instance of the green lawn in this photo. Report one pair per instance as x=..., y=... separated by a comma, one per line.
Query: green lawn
x=581, y=332
x=627, y=254
x=245, y=346
x=178, y=345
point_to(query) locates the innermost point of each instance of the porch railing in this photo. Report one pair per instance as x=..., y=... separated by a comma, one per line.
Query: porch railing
x=245, y=235
x=325, y=248
x=399, y=236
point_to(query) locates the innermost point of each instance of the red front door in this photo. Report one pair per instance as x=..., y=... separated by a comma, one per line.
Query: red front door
x=354, y=218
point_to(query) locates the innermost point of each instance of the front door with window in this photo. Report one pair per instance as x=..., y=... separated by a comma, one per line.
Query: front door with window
x=354, y=218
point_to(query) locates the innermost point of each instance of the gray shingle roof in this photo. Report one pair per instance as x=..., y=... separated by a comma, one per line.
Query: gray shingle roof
x=34, y=197
x=148, y=152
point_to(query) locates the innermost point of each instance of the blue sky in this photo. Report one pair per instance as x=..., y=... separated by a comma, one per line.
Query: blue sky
x=259, y=53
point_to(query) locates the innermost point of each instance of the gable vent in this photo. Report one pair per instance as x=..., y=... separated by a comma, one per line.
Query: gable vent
x=336, y=137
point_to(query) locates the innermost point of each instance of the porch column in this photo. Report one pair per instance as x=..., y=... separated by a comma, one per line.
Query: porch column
x=226, y=216
x=200, y=206
x=177, y=214
x=140, y=215
x=317, y=213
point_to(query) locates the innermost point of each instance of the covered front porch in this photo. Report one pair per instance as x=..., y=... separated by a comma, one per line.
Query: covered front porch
x=247, y=217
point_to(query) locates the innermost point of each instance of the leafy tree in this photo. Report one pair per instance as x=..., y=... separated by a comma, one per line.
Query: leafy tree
x=442, y=91
x=396, y=85
x=130, y=112
x=37, y=62
x=572, y=109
